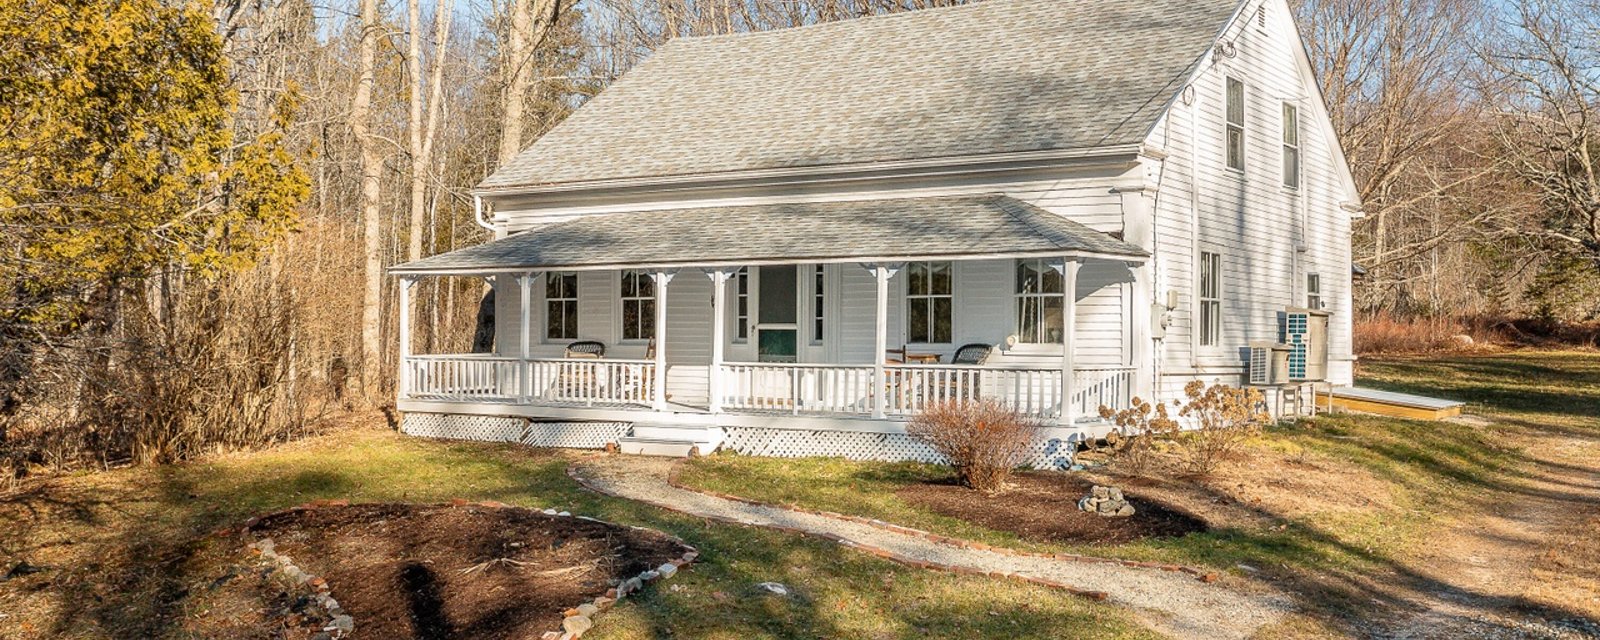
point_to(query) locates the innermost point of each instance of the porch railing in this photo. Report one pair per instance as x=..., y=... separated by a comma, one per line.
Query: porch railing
x=1103, y=386
x=797, y=388
x=474, y=377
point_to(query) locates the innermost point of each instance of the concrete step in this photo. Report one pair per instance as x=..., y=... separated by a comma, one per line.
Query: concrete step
x=708, y=438
x=634, y=445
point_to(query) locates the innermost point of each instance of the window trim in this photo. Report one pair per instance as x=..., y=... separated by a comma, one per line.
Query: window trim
x=548, y=300
x=819, y=304
x=1208, y=335
x=740, y=319
x=622, y=306
x=1229, y=125
x=1314, y=299
x=1017, y=297
x=1291, y=129
x=907, y=296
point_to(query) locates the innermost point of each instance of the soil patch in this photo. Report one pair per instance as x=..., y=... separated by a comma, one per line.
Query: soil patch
x=408, y=571
x=1044, y=507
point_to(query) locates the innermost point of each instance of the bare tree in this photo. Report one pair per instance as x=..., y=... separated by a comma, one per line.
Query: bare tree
x=531, y=22
x=371, y=203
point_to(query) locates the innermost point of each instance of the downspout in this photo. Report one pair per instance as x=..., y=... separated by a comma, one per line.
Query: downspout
x=477, y=213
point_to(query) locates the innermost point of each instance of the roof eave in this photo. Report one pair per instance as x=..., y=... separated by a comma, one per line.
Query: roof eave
x=950, y=164
x=401, y=270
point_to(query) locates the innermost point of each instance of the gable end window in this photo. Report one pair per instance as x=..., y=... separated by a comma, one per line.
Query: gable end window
x=929, y=290
x=561, y=306
x=1041, y=297
x=638, y=306
x=1235, y=140
x=1210, y=326
x=1291, y=146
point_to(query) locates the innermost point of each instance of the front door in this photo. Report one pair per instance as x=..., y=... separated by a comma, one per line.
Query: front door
x=777, y=320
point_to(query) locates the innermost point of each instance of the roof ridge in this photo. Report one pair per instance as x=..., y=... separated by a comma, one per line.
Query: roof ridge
x=876, y=17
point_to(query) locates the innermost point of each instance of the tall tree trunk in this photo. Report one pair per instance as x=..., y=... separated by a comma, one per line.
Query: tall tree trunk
x=531, y=23
x=424, y=134
x=372, y=225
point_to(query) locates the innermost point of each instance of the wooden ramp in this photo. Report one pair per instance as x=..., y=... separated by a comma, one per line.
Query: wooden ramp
x=1391, y=403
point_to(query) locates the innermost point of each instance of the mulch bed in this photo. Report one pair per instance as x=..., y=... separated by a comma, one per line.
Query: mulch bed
x=1043, y=507
x=459, y=571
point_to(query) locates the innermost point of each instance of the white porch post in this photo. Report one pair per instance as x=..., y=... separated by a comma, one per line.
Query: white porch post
x=1069, y=330
x=659, y=401
x=719, y=334
x=525, y=337
x=406, y=282
x=880, y=399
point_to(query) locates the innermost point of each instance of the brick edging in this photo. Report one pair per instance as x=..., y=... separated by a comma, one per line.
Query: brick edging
x=584, y=612
x=1202, y=575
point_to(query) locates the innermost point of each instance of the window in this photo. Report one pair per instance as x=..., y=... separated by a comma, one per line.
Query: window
x=741, y=305
x=818, y=305
x=1313, y=291
x=1291, y=146
x=1235, y=124
x=928, y=302
x=1210, y=299
x=638, y=306
x=561, y=306
x=1040, y=300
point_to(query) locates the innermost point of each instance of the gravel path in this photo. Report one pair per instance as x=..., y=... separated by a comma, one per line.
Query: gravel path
x=1173, y=603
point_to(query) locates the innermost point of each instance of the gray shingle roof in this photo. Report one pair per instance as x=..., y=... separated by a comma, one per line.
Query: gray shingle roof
x=908, y=228
x=998, y=76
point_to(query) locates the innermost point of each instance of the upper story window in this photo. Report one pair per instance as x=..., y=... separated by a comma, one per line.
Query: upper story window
x=741, y=305
x=1041, y=297
x=1313, y=291
x=1291, y=146
x=929, y=292
x=1235, y=140
x=561, y=306
x=818, y=304
x=638, y=306
x=1210, y=326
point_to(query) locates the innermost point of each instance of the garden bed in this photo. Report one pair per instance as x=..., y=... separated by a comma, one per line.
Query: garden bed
x=439, y=571
x=1043, y=507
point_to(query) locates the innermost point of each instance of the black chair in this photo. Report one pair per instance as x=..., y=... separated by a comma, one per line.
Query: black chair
x=975, y=354
x=586, y=349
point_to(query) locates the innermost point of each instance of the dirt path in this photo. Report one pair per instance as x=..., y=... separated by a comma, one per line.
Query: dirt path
x=1497, y=575
x=1174, y=603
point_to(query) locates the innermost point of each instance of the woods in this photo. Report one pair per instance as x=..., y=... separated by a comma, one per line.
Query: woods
x=199, y=198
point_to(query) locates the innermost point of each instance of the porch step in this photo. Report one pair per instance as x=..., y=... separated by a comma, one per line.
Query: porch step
x=637, y=446
x=708, y=438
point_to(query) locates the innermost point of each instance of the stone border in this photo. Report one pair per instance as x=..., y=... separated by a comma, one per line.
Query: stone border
x=340, y=622
x=672, y=479
x=577, y=620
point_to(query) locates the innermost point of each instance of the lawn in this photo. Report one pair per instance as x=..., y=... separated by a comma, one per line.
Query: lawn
x=1341, y=510
x=125, y=555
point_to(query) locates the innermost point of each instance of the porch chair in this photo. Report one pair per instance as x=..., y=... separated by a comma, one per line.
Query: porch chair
x=586, y=349
x=974, y=354
x=576, y=382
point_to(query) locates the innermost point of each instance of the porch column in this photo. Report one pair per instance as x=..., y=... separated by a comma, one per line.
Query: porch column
x=719, y=335
x=406, y=283
x=880, y=399
x=1069, y=331
x=659, y=401
x=525, y=337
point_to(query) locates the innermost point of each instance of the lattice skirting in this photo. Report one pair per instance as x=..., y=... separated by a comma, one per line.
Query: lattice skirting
x=1050, y=453
x=571, y=435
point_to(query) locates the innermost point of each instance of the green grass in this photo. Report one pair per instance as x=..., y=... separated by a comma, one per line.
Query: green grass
x=1429, y=473
x=124, y=549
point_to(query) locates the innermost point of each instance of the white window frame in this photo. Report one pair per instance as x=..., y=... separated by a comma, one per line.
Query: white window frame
x=552, y=285
x=645, y=326
x=1314, y=291
x=1020, y=298
x=929, y=299
x=740, y=309
x=1208, y=320
x=1230, y=126
x=819, y=304
x=1291, y=146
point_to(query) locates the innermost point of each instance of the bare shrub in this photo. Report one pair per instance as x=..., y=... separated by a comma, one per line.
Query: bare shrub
x=982, y=439
x=1387, y=333
x=1138, y=426
x=1225, y=417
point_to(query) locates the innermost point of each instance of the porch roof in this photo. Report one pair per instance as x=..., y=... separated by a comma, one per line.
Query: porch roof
x=934, y=228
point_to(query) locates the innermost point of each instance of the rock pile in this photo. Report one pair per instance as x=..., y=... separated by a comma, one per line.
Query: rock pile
x=1106, y=501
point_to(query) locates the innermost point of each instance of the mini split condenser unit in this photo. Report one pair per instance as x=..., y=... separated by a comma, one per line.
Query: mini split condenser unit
x=1299, y=355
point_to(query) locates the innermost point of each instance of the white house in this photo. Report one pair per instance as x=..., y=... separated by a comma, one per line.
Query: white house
x=789, y=242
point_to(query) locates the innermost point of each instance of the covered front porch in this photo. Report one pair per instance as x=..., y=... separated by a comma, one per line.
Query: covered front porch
x=832, y=315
